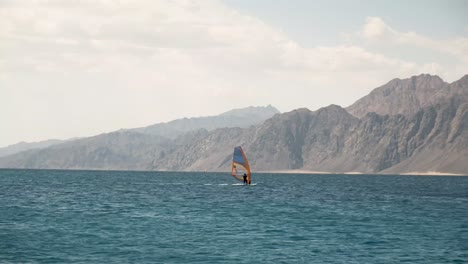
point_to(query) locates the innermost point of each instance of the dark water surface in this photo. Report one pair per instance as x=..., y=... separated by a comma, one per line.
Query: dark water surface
x=168, y=217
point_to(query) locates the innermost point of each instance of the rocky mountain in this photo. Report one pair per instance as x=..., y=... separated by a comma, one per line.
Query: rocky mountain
x=22, y=146
x=123, y=150
x=431, y=137
x=131, y=148
x=408, y=96
x=120, y=146
x=302, y=139
x=332, y=140
x=440, y=143
x=243, y=117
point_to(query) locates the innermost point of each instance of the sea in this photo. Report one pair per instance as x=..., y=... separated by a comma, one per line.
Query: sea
x=64, y=216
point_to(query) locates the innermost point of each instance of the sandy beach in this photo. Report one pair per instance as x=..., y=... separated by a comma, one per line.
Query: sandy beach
x=416, y=173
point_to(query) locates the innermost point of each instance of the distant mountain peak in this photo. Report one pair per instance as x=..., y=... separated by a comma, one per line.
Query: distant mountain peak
x=406, y=96
x=241, y=117
x=414, y=81
x=301, y=110
x=257, y=110
x=425, y=76
x=332, y=107
x=463, y=80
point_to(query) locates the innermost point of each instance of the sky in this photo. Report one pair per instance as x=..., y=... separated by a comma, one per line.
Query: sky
x=85, y=67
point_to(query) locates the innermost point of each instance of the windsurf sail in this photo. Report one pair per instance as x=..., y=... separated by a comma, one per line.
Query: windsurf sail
x=240, y=165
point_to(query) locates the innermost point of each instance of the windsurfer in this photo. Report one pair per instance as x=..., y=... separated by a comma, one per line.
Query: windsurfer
x=239, y=160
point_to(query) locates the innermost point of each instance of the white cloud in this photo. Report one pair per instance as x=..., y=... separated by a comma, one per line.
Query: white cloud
x=113, y=64
x=375, y=29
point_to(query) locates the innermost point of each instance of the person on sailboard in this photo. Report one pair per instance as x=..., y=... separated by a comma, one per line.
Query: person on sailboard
x=245, y=178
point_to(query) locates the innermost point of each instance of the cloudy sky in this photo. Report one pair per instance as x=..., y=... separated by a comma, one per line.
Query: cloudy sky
x=80, y=68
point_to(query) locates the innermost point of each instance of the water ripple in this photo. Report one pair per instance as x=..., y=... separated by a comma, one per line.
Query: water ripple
x=166, y=217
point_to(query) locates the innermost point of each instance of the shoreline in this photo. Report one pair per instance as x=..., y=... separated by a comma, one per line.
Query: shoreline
x=415, y=173
x=299, y=171
x=431, y=173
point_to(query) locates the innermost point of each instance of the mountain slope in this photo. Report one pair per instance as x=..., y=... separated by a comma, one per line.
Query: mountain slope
x=408, y=96
x=302, y=139
x=244, y=117
x=22, y=146
x=332, y=140
x=118, y=150
x=329, y=139
x=445, y=148
x=106, y=151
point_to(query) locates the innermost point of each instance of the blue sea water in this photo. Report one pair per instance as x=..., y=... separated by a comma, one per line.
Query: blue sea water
x=170, y=217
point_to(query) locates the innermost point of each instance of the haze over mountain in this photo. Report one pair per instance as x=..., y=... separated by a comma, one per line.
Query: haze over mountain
x=126, y=149
x=22, y=146
x=394, y=136
x=243, y=117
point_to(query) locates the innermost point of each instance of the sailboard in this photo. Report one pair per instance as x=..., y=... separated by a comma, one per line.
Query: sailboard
x=240, y=165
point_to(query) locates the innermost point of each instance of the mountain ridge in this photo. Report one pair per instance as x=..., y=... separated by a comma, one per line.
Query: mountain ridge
x=433, y=137
x=242, y=117
x=407, y=96
x=22, y=146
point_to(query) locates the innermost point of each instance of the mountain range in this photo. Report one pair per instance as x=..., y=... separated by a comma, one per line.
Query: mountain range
x=244, y=117
x=22, y=146
x=419, y=124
